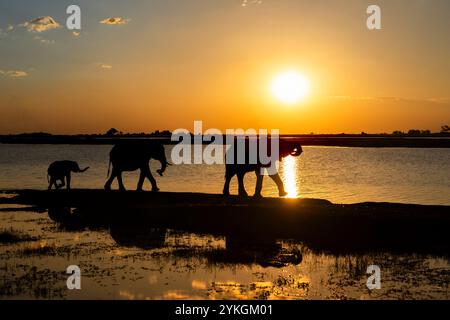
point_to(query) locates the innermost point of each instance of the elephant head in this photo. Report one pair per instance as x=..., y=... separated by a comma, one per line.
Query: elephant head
x=290, y=149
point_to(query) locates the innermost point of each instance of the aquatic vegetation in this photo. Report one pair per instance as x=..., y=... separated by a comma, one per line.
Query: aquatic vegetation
x=139, y=261
x=13, y=236
x=44, y=248
x=33, y=282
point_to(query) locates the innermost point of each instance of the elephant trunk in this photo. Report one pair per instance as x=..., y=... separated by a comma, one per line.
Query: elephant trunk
x=296, y=150
x=290, y=149
x=164, y=164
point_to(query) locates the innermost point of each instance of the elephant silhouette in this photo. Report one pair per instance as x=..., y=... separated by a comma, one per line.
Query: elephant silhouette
x=60, y=170
x=132, y=156
x=286, y=148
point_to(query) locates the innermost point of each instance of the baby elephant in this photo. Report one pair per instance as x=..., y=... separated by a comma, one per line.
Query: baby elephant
x=59, y=170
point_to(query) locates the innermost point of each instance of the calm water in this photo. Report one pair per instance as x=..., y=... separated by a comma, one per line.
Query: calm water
x=341, y=175
x=148, y=263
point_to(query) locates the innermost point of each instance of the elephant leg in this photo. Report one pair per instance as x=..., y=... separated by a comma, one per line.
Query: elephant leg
x=152, y=180
x=276, y=178
x=59, y=186
x=259, y=183
x=68, y=178
x=119, y=180
x=226, y=186
x=110, y=180
x=142, y=177
x=242, y=191
x=51, y=183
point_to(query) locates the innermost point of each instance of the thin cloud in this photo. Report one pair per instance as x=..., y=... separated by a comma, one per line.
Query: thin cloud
x=105, y=66
x=393, y=99
x=439, y=100
x=14, y=73
x=246, y=3
x=44, y=41
x=115, y=21
x=41, y=24
x=4, y=32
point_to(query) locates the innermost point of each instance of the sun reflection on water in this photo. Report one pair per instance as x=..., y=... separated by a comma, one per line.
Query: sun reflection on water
x=289, y=176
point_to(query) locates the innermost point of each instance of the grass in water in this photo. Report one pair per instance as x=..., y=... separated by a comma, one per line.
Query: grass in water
x=14, y=236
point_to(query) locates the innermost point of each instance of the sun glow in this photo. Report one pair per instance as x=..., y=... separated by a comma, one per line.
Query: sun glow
x=289, y=176
x=290, y=87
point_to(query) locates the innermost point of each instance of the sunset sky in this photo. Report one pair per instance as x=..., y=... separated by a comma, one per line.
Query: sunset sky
x=164, y=63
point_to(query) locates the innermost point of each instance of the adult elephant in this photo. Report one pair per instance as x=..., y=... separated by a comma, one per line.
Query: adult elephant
x=285, y=149
x=133, y=156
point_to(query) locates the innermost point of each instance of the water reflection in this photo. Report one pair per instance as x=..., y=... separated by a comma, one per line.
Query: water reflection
x=231, y=267
x=142, y=234
x=138, y=261
x=289, y=176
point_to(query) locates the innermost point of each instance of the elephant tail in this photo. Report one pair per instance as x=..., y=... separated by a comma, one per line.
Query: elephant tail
x=77, y=169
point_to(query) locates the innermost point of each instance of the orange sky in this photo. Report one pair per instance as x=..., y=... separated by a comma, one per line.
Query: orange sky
x=172, y=63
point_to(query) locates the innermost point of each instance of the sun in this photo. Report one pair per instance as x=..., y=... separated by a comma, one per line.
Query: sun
x=290, y=87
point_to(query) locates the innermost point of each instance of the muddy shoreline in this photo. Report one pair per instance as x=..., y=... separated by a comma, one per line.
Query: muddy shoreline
x=138, y=246
x=322, y=225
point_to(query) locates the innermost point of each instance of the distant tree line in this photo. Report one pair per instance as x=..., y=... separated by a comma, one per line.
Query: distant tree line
x=110, y=133
x=445, y=130
x=113, y=132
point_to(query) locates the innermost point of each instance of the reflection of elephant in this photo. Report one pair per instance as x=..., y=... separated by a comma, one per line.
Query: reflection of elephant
x=265, y=252
x=142, y=232
x=133, y=156
x=285, y=149
x=137, y=235
x=59, y=170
